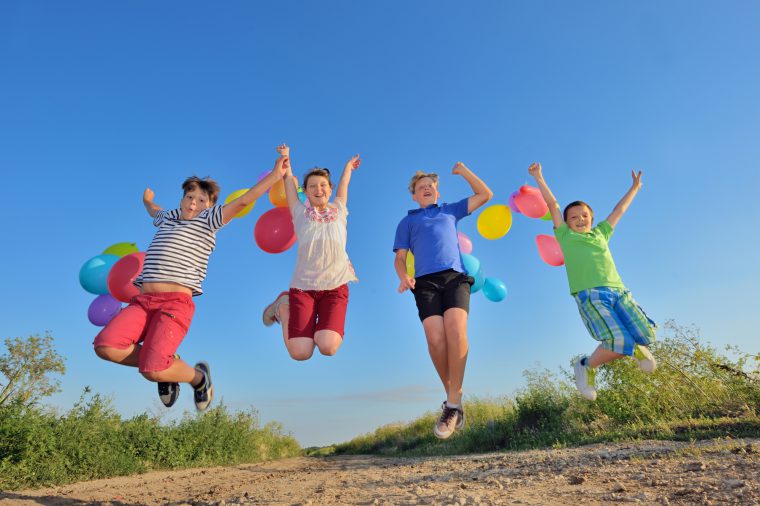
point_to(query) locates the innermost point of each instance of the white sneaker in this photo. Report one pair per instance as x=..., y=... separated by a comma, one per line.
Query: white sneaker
x=451, y=419
x=272, y=311
x=644, y=359
x=585, y=378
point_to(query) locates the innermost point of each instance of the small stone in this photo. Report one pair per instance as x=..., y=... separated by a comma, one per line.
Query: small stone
x=462, y=486
x=664, y=501
x=576, y=480
x=733, y=483
x=618, y=487
x=695, y=466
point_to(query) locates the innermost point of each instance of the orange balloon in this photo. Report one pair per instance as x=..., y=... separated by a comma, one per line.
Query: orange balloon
x=277, y=194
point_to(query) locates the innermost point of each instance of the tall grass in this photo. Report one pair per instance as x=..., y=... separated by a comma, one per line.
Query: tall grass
x=695, y=392
x=39, y=447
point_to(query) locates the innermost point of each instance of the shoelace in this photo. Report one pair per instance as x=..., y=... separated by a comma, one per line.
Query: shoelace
x=447, y=415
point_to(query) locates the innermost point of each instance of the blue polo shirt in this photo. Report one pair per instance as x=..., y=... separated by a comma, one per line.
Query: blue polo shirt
x=430, y=233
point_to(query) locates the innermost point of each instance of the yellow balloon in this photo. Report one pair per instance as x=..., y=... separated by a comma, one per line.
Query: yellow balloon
x=121, y=249
x=410, y=263
x=495, y=221
x=237, y=193
x=277, y=194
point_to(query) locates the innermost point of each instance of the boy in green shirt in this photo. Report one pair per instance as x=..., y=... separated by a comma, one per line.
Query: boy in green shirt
x=606, y=306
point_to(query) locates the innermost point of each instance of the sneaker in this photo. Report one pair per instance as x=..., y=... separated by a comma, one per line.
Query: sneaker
x=644, y=359
x=271, y=312
x=205, y=392
x=584, y=379
x=450, y=420
x=168, y=393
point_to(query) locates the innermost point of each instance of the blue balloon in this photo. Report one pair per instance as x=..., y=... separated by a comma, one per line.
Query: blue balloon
x=494, y=289
x=93, y=276
x=102, y=309
x=479, y=281
x=471, y=264
x=302, y=197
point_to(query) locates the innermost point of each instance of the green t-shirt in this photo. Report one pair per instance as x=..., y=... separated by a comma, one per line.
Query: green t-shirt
x=588, y=261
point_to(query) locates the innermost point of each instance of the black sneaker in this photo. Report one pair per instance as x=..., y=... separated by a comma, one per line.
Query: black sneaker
x=205, y=392
x=168, y=393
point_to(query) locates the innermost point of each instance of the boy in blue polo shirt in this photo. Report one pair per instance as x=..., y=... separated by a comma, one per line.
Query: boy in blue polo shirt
x=441, y=287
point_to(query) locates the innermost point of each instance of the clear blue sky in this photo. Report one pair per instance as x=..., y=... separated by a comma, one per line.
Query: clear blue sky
x=100, y=99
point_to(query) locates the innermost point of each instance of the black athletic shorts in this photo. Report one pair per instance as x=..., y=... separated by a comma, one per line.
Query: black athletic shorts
x=439, y=291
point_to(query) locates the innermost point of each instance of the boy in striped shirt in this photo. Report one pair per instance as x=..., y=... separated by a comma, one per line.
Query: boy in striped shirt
x=147, y=333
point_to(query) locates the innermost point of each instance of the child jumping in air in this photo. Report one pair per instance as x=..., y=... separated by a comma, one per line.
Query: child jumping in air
x=606, y=306
x=313, y=311
x=441, y=287
x=147, y=333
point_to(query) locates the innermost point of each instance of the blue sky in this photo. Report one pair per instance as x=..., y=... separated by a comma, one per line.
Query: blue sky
x=99, y=100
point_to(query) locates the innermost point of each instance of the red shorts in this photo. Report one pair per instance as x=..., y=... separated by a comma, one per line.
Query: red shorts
x=158, y=320
x=313, y=310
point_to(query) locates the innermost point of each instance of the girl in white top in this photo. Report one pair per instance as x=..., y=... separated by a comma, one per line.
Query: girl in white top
x=313, y=311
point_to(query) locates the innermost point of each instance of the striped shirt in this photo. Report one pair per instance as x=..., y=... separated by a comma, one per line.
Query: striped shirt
x=180, y=249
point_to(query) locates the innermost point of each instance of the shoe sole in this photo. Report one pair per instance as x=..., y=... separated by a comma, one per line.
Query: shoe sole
x=267, y=322
x=171, y=402
x=210, y=389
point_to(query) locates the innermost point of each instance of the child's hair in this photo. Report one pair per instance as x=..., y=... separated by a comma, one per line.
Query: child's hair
x=419, y=175
x=574, y=204
x=207, y=185
x=317, y=171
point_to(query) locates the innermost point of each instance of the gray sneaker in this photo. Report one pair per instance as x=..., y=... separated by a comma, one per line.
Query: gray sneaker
x=451, y=419
x=168, y=393
x=205, y=392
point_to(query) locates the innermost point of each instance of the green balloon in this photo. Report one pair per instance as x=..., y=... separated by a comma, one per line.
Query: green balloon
x=121, y=249
x=547, y=216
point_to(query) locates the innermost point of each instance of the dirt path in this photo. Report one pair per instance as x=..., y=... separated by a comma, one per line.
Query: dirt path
x=650, y=472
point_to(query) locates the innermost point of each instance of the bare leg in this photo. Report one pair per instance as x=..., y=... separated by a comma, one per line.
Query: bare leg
x=455, y=324
x=178, y=372
x=128, y=356
x=436, y=340
x=299, y=348
x=602, y=356
x=328, y=341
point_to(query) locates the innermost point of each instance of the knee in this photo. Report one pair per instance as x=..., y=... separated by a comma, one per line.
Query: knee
x=155, y=376
x=329, y=349
x=301, y=355
x=107, y=353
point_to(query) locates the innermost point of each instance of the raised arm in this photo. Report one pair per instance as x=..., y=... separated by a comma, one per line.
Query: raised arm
x=345, y=178
x=399, y=263
x=535, y=171
x=622, y=206
x=290, y=181
x=150, y=206
x=482, y=192
x=232, y=208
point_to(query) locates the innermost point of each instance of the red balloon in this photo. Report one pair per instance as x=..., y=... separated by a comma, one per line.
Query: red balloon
x=549, y=250
x=123, y=273
x=274, y=231
x=530, y=202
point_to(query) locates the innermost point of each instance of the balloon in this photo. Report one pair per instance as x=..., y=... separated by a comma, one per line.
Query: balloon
x=121, y=248
x=494, y=289
x=277, y=194
x=471, y=264
x=262, y=176
x=274, y=231
x=495, y=221
x=301, y=195
x=102, y=309
x=549, y=250
x=465, y=244
x=512, y=204
x=547, y=216
x=479, y=280
x=530, y=202
x=93, y=276
x=123, y=274
x=410, y=263
x=238, y=193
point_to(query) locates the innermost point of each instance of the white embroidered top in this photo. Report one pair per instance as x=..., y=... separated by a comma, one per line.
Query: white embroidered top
x=322, y=262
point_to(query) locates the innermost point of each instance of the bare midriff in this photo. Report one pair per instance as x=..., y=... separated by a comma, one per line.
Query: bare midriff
x=165, y=287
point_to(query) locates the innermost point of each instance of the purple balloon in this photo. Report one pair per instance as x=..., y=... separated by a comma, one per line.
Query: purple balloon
x=512, y=204
x=102, y=309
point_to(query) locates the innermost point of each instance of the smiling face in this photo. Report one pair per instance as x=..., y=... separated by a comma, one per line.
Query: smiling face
x=579, y=218
x=194, y=201
x=318, y=190
x=425, y=191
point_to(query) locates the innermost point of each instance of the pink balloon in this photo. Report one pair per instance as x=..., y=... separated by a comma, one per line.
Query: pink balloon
x=549, y=250
x=274, y=232
x=123, y=273
x=512, y=204
x=465, y=244
x=530, y=202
